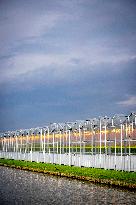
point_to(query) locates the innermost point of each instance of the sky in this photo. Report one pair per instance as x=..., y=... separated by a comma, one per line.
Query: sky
x=66, y=60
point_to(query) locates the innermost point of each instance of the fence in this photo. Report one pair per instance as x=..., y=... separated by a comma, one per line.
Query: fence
x=108, y=143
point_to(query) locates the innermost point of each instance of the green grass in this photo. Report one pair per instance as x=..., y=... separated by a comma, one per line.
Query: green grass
x=111, y=177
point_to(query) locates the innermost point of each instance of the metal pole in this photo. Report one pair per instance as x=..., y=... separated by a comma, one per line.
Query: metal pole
x=66, y=139
x=100, y=143
x=16, y=147
x=92, y=138
x=48, y=145
x=53, y=146
x=57, y=151
x=105, y=140
x=63, y=142
x=80, y=145
x=115, y=149
x=121, y=144
x=21, y=145
x=44, y=147
x=41, y=147
x=60, y=147
x=69, y=148
x=76, y=141
x=48, y=140
x=31, y=147
x=132, y=128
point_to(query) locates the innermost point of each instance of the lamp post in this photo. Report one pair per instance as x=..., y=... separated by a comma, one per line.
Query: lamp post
x=44, y=131
x=100, y=141
x=121, y=143
x=69, y=147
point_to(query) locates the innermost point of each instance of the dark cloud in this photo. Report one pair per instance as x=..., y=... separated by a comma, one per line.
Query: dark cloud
x=65, y=60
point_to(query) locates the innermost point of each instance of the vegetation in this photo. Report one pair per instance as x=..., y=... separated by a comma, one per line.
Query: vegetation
x=110, y=177
x=76, y=149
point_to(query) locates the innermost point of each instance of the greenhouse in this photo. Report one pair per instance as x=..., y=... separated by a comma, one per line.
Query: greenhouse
x=104, y=142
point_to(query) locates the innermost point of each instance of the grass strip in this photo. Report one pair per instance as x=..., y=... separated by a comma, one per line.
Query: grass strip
x=110, y=177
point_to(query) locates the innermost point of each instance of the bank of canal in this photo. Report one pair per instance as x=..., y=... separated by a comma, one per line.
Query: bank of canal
x=110, y=177
x=23, y=187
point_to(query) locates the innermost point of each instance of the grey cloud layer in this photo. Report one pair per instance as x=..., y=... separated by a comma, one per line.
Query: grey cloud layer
x=84, y=48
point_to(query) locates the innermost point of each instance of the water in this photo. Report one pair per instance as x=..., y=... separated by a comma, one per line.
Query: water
x=26, y=188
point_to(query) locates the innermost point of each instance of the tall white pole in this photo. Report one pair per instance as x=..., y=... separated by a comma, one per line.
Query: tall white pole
x=69, y=148
x=31, y=147
x=115, y=148
x=80, y=146
x=100, y=143
x=112, y=122
x=105, y=140
x=126, y=139
x=21, y=144
x=121, y=143
x=92, y=138
x=66, y=139
x=53, y=146
x=41, y=147
x=48, y=145
x=16, y=146
x=63, y=140
x=76, y=141
x=60, y=147
x=44, y=147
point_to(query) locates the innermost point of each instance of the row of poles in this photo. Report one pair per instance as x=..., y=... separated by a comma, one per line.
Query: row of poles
x=104, y=135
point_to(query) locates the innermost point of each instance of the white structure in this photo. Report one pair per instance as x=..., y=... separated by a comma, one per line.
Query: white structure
x=108, y=143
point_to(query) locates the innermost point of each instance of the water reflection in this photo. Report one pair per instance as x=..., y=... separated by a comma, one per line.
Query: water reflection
x=22, y=187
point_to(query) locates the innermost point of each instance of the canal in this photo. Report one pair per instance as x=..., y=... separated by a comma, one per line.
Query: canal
x=26, y=188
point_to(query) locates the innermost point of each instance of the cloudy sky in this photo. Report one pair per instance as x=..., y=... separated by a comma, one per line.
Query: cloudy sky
x=62, y=60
